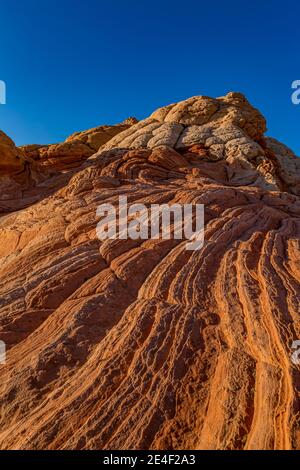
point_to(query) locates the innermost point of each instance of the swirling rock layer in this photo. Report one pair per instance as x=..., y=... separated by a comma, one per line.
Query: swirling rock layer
x=140, y=343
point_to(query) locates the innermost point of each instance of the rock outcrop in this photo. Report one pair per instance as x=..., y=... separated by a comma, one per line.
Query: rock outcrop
x=142, y=344
x=19, y=176
x=76, y=148
x=226, y=129
x=31, y=172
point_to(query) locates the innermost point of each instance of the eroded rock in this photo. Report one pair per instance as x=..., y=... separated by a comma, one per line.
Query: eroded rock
x=142, y=344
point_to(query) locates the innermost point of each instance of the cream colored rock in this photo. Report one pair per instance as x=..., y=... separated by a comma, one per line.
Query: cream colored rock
x=288, y=166
x=229, y=129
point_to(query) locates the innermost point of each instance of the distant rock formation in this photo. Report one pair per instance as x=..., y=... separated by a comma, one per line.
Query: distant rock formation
x=18, y=174
x=29, y=173
x=141, y=344
x=76, y=148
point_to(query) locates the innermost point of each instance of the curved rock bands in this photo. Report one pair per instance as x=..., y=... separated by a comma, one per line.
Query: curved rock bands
x=226, y=129
x=141, y=344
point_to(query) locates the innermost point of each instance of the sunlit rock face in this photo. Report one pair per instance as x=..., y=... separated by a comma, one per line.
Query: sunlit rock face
x=141, y=344
x=226, y=129
x=76, y=148
x=32, y=172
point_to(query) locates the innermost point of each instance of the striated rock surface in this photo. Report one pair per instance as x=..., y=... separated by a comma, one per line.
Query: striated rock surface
x=32, y=172
x=76, y=148
x=20, y=177
x=140, y=343
x=228, y=129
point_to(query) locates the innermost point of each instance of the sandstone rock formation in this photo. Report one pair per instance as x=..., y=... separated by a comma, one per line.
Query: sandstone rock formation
x=226, y=129
x=31, y=172
x=76, y=148
x=140, y=343
x=19, y=175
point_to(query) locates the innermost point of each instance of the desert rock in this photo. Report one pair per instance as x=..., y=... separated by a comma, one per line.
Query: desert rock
x=141, y=344
x=76, y=148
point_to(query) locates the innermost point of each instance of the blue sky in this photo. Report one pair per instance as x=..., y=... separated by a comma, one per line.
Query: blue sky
x=72, y=65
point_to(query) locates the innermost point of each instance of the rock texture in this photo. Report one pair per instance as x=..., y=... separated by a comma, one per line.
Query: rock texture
x=140, y=343
x=19, y=177
x=31, y=172
x=76, y=148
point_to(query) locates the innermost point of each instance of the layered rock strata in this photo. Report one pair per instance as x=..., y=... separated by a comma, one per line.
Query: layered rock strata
x=141, y=344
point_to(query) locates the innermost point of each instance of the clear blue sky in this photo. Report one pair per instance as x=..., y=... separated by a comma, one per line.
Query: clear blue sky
x=71, y=64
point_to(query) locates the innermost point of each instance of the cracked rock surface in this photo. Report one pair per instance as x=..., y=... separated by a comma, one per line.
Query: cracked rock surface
x=141, y=344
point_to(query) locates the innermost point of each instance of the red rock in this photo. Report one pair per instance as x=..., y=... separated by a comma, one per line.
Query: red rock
x=142, y=344
x=76, y=148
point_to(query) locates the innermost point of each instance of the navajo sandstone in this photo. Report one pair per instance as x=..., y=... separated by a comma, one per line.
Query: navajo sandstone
x=142, y=344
